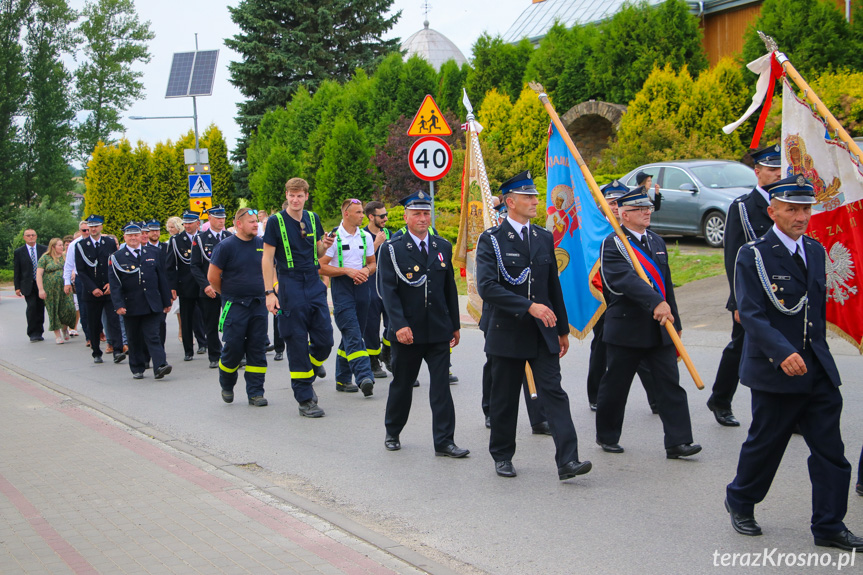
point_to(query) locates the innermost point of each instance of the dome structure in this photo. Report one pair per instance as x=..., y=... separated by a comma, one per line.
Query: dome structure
x=432, y=46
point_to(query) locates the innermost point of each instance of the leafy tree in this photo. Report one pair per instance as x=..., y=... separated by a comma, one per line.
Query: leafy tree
x=345, y=168
x=494, y=115
x=497, y=64
x=105, y=84
x=13, y=92
x=168, y=181
x=812, y=33
x=50, y=220
x=574, y=84
x=528, y=126
x=548, y=62
x=288, y=43
x=418, y=78
x=451, y=80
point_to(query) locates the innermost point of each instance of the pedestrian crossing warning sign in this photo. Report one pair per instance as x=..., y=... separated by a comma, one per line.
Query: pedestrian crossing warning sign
x=200, y=186
x=429, y=120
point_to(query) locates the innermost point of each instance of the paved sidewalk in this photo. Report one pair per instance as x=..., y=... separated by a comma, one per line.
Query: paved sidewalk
x=81, y=492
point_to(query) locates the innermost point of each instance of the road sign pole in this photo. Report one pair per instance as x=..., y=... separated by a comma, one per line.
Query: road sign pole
x=431, y=193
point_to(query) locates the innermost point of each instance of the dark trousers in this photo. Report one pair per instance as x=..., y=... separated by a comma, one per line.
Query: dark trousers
x=163, y=330
x=774, y=416
x=278, y=342
x=407, y=360
x=35, y=312
x=142, y=332
x=372, y=325
x=598, y=363
x=729, y=366
x=535, y=413
x=350, y=309
x=244, y=334
x=670, y=397
x=191, y=322
x=860, y=469
x=95, y=307
x=507, y=374
x=211, y=309
x=306, y=327
x=82, y=307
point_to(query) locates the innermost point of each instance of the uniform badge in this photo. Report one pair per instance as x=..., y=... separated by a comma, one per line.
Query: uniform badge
x=774, y=287
x=801, y=181
x=443, y=265
x=416, y=268
x=434, y=244
x=440, y=257
x=409, y=275
x=421, y=196
x=510, y=235
x=782, y=302
x=534, y=231
x=133, y=267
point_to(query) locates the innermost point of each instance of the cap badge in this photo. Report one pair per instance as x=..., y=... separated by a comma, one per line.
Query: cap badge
x=615, y=183
x=776, y=148
x=801, y=181
x=529, y=177
x=421, y=196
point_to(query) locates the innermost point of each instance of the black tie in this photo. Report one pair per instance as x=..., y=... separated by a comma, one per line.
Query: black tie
x=798, y=259
x=524, y=234
x=423, y=249
x=644, y=243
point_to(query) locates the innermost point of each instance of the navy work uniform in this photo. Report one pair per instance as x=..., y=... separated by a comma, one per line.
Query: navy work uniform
x=416, y=283
x=181, y=280
x=350, y=310
x=244, y=317
x=781, y=297
x=516, y=268
x=139, y=284
x=535, y=413
x=156, y=226
x=598, y=362
x=632, y=336
x=91, y=263
x=202, y=251
x=305, y=322
x=377, y=346
x=747, y=220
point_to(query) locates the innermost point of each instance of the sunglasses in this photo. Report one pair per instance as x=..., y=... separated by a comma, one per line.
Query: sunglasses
x=242, y=213
x=354, y=201
x=383, y=215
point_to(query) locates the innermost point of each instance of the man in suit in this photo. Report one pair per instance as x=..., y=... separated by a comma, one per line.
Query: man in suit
x=208, y=300
x=635, y=332
x=747, y=220
x=140, y=294
x=527, y=323
x=780, y=288
x=91, y=263
x=154, y=230
x=24, y=276
x=180, y=279
x=417, y=286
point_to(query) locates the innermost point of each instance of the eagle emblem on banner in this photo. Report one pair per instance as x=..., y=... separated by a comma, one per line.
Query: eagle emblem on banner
x=840, y=271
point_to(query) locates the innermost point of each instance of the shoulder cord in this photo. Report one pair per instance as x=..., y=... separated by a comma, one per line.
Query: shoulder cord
x=748, y=230
x=86, y=259
x=177, y=252
x=522, y=277
x=765, y=283
x=339, y=248
x=116, y=267
x=416, y=283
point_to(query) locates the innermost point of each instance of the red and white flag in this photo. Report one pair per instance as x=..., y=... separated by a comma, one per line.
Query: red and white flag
x=837, y=218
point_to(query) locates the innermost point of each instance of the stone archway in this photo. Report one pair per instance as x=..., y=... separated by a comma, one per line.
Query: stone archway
x=591, y=125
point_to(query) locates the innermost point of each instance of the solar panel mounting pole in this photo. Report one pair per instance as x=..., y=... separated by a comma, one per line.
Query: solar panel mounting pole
x=195, y=115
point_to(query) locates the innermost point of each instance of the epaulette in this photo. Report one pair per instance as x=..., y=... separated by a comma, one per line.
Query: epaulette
x=397, y=238
x=541, y=229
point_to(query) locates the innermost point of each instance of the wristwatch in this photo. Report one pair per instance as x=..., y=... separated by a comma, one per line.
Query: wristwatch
x=269, y=291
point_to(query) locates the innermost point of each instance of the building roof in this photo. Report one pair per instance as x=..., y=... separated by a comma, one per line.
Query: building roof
x=433, y=46
x=538, y=17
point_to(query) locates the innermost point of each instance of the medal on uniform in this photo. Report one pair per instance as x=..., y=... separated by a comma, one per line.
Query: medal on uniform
x=416, y=268
x=774, y=287
x=409, y=275
x=443, y=265
x=133, y=267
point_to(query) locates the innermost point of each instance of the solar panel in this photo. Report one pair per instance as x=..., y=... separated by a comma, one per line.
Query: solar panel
x=192, y=74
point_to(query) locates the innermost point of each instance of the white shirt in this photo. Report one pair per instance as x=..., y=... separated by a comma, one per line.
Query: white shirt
x=637, y=235
x=352, y=257
x=418, y=241
x=764, y=194
x=790, y=244
x=517, y=226
x=69, y=267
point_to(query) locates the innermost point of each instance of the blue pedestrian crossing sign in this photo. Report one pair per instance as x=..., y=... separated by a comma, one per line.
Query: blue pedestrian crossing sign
x=200, y=186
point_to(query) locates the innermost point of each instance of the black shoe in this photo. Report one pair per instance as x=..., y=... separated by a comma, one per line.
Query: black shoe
x=270, y=347
x=723, y=416
x=452, y=378
x=860, y=489
x=227, y=396
x=843, y=540
x=162, y=371
x=137, y=376
x=98, y=359
x=392, y=443
x=488, y=422
x=36, y=338
x=147, y=366
x=504, y=468
x=347, y=387
x=187, y=357
x=202, y=349
x=540, y=429
x=377, y=372
x=368, y=386
x=743, y=524
x=417, y=383
x=573, y=468
x=279, y=356
x=119, y=357
x=320, y=372
x=451, y=450
x=592, y=407
x=310, y=409
x=610, y=447
x=258, y=401
x=654, y=409
x=214, y=365
x=684, y=450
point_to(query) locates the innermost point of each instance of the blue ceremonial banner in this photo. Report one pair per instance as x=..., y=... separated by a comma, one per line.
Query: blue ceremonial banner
x=578, y=226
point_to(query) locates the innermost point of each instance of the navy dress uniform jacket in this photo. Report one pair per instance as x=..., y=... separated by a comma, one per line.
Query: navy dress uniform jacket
x=202, y=252
x=629, y=316
x=752, y=207
x=94, y=277
x=509, y=331
x=141, y=287
x=179, y=266
x=431, y=311
x=772, y=336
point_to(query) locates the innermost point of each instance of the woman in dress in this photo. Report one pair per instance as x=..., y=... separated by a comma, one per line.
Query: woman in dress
x=49, y=279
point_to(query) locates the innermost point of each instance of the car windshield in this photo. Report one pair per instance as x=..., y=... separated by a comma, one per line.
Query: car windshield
x=725, y=176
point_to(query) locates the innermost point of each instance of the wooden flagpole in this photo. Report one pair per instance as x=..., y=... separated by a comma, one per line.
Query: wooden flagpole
x=600, y=200
x=809, y=94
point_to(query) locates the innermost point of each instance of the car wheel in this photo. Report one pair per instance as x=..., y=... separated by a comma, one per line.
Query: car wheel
x=713, y=229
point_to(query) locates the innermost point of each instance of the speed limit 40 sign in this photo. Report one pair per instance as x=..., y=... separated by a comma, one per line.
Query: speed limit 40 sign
x=430, y=158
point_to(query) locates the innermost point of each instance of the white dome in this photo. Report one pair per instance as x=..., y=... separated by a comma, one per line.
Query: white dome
x=432, y=46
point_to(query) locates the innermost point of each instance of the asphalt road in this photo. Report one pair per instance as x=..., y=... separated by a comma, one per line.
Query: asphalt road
x=634, y=513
